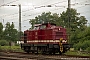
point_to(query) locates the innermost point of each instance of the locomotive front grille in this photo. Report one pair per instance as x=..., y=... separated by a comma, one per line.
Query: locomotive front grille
x=59, y=35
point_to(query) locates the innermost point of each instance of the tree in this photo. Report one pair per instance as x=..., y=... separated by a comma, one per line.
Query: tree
x=84, y=35
x=45, y=18
x=13, y=32
x=76, y=22
x=85, y=45
x=6, y=31
x=83, y=38
x=1, y=31
x=32, y=22
x=10, y=33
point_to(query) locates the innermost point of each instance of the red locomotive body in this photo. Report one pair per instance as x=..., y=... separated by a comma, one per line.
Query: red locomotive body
x=47, y=38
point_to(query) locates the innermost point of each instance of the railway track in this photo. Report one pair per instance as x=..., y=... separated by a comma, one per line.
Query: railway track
x=24, y=56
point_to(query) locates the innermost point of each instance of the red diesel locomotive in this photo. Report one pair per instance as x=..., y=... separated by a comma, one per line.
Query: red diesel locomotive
x=45, y=38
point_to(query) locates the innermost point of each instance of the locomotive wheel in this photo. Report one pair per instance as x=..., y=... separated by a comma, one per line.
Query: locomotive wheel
x=37, y=51
x=60, y=52
x=53, y=51
x=33, y=52
x=27, y=52
x=26, y=49
x=44, y=52
x=50, y=51
x=64, y=51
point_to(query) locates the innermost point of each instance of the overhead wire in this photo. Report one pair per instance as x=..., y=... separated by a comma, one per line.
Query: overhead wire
x=37, y=15
x=28, y=16
x=43, y=6
x=8, y=3
x=31, y=15
x=55, y=9
x=35, y=8
x=5, y=4
x=32, y=9
x=81, y=3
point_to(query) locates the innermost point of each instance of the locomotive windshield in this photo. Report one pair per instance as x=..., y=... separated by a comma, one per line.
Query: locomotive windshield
x=36, y=28
x=42, y=26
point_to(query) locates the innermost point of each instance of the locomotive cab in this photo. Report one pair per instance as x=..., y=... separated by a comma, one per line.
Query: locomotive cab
x=44, y=26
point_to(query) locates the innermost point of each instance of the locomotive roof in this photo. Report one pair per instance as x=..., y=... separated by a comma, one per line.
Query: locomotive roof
x=44, y=24
x=37, y=24
x=49, y=23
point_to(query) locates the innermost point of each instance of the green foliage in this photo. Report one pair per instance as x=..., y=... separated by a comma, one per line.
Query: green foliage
x=77, y=53
x=84, y=34
x=4, y=43
x=78, y=46
x=10, y=48
x=45, y=18
x=10, y=33
x=88, y=49
x=62, y=20
x=83, y=45
x=77, y=23
x=1, y=30
x=73, y=37
x=83, y=38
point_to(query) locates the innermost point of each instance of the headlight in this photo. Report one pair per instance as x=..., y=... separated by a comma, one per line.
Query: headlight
x=64, y=41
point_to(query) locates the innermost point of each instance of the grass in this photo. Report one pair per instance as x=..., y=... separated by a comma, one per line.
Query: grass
x=10, y=48
x=77, y=53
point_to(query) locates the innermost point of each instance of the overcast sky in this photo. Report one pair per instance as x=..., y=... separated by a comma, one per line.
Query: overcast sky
x=31, y=8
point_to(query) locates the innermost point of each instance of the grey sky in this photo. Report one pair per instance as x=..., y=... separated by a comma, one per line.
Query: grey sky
x=10, y=13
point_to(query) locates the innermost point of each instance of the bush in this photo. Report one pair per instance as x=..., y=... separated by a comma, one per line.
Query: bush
x=88, y=49
x=4, y=43
x=83, y=45
x=78, y=46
